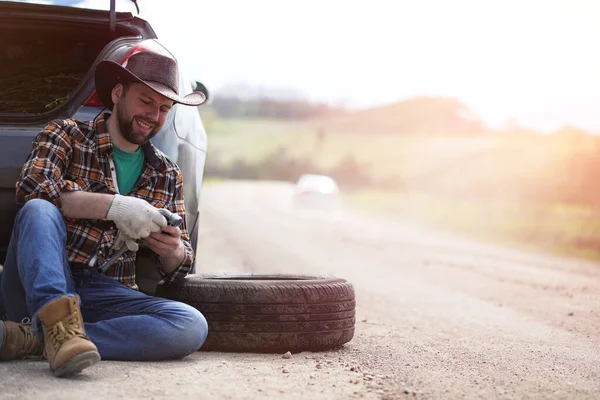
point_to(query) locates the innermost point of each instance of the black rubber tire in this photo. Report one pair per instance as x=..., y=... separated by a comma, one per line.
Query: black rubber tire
x=269, y=313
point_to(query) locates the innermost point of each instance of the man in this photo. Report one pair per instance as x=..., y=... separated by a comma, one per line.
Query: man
x=84, y=186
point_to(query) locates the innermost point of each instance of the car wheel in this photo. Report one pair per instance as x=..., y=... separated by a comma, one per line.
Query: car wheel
x=269, y=313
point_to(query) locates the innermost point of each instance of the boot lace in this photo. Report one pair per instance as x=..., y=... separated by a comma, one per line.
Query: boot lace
x=32, y=348
x=65, y=330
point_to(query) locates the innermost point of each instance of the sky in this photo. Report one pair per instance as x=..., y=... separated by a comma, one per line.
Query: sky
x=536, y=62
x=533, y=61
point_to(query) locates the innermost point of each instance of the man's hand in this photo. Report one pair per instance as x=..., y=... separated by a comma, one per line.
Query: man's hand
x=168, y=245
x=136, y=218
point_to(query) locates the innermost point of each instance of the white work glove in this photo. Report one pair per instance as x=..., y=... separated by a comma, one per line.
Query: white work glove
x=136, y=218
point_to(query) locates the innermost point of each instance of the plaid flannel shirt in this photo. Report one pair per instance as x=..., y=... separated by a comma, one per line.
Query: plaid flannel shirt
x=70, y=155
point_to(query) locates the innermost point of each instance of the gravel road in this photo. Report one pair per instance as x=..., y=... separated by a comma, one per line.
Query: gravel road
x=437, y=316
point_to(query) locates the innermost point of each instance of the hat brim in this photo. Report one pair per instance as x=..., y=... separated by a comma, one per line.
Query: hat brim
x=109, y=73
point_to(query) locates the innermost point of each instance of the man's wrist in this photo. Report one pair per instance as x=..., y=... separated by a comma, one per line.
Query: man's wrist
x=172, y=261
x=109, y=206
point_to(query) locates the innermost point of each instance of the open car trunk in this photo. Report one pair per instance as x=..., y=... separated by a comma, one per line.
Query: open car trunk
x=41, y=66
x=47, y=54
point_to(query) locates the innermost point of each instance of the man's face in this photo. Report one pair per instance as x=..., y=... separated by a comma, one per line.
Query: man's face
x=141, y=112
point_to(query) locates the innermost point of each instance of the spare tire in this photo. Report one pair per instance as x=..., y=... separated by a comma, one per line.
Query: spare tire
x=269, y=313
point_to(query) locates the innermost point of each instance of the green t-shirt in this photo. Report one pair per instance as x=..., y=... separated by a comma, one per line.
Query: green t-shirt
x=129, y=167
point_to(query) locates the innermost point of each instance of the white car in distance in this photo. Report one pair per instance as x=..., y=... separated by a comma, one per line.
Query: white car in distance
x=317, y=192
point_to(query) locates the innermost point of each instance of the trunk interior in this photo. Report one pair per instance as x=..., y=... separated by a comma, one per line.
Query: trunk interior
x=42, y=62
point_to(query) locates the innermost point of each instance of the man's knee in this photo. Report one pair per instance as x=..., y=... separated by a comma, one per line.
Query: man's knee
x=193, y=330
x=38, y=211
x=39, y=208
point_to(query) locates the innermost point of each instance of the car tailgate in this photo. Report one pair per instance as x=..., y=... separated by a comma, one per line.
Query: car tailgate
x=44, y=13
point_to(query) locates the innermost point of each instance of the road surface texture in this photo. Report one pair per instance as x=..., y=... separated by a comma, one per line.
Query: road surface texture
x=437, y=317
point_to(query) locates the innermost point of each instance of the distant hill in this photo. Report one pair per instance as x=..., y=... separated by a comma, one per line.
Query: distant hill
x=247, y=92
x=246, y=101
x=418, y=116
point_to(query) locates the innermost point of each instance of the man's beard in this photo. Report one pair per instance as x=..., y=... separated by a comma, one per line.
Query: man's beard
x=126, y=125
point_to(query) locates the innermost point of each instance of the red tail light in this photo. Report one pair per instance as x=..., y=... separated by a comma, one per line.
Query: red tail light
x=93, y=101
x=150, y=44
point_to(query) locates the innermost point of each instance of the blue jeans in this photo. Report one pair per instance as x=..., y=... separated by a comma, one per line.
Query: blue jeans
x=123, y=323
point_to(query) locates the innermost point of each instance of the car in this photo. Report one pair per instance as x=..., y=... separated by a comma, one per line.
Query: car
x=317, y=192
x=48, y=53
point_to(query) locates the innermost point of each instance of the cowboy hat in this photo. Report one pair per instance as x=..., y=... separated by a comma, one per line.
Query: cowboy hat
x=154, y=70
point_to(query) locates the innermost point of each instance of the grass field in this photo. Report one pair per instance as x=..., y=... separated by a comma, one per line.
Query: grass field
x=558, y=228
x=252, y=140
x=476, y=185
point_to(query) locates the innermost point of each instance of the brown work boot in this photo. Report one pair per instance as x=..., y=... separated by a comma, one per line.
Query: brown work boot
x=66, y=346
x=19, y=342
